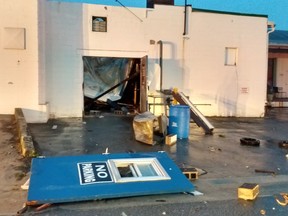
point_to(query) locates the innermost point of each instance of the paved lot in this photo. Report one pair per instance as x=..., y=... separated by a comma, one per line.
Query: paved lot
x=228, y=164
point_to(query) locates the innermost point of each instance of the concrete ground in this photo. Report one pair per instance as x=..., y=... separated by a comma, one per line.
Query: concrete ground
x=227, y=163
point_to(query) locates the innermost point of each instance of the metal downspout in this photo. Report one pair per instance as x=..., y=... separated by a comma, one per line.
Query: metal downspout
x=272, y=27
x=161, y=62
x=185, y=17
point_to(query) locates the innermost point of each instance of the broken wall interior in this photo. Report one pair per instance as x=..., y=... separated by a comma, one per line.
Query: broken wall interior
x=111, y=83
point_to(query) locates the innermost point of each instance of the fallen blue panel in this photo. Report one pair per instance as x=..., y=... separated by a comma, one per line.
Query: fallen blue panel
x=90, y=177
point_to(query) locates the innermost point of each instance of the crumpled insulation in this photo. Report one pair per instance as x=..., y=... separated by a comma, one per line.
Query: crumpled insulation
x=143, y=125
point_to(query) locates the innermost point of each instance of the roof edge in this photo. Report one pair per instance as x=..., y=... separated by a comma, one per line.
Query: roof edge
x=228, y=13
x=277, y=45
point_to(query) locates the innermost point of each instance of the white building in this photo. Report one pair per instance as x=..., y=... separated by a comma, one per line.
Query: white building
x=278, y=67
x=219, y=59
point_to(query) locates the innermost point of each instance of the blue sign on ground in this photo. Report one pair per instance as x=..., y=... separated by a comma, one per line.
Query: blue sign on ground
x=90, y=177
x=93, y=172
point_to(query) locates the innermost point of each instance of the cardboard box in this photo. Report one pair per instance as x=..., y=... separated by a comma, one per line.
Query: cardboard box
x=248, y=191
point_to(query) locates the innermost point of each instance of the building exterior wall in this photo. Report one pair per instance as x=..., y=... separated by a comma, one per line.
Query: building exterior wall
x=193, y=63
x=238, y=90
x=63, y=62
x=19, y=59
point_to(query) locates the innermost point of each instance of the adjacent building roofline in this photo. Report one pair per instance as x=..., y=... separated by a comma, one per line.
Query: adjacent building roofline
x=278, y=38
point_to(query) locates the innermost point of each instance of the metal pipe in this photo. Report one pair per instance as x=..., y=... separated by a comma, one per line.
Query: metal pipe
x=185, y=17
x=161, y=62
x=272, y=26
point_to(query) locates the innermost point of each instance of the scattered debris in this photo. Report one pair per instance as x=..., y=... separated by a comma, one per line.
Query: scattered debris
x=143, y=125
x=213, y=149
x=282, y=199
x=163, y=123
x=23, y=209
x=95, y=112
x=171, y=139
x=248, y=191
x=161, y=200
x=123, y=214
x=190, y=173
x=287, y=156
x=118, y=112
x=221, y=135
x=198, y=193
x=262, y=212
x=130, y=151
x=265, y=171
x=54, y=127
x=106, y=151
x=25, y=186
x=283, y=144
x=44, y=206
x=41, y=156
x=249, y=141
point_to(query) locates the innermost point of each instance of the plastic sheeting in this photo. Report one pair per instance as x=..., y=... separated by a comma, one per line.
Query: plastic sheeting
x=101, y=73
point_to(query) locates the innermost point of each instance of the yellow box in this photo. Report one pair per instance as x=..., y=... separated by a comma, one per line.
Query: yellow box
x=171, y=139
x=248, y=191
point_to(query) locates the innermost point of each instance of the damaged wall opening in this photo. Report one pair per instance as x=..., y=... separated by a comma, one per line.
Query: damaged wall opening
x=111, y=84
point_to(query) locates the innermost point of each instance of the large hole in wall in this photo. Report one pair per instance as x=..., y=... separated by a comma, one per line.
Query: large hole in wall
x=111, y=84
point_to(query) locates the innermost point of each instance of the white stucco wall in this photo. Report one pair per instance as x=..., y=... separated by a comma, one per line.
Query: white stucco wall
x=228, y=90
x=63, y=63
x=19, y=59
x=50, y=70
x=193, y=63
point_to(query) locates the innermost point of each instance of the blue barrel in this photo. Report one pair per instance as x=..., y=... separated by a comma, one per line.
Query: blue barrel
x=179, y=121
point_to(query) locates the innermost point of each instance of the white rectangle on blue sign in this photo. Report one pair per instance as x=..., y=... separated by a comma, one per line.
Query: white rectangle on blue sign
x=94, y=172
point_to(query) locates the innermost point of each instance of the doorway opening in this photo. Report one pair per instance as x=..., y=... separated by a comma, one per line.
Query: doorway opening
x=113, y=84
x=271, y=75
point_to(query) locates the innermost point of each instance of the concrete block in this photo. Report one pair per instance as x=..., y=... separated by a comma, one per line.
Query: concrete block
x=190, y=173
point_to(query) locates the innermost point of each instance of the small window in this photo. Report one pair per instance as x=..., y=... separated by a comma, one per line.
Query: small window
x=231, y=56
x=137, y=169
x=99, y=24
